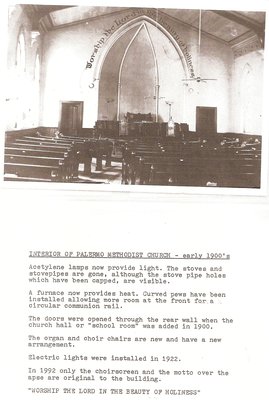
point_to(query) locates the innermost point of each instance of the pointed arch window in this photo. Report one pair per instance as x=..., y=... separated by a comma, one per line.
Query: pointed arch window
x=20, y=54
x=35, y=104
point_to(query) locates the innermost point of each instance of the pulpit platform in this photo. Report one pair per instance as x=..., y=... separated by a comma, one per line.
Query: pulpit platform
x=137, y=125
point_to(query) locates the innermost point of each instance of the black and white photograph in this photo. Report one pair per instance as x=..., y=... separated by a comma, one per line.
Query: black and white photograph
x=134, y=196
x=135, y=96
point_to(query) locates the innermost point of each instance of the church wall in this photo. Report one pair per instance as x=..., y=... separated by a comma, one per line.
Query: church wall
x=247, y=93
x=18, y=22
x=63, y=63
x=67, y=50
x=22, y=96
x=215, y=63
x=237, y=92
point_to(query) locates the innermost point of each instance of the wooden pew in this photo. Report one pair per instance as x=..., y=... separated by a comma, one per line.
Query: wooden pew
x=42, y=172
x=49, y=148
x=41, y=162
x=35, y=152
x=75, y=151
x=190, y=164
x=86, y=147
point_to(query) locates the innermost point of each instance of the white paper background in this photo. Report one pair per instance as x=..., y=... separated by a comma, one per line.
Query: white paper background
x=79, y=220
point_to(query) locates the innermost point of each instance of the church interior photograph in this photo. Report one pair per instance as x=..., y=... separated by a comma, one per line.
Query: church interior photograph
x=134, y=96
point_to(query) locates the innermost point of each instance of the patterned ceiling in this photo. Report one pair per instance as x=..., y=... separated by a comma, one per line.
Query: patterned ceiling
x=230, y=27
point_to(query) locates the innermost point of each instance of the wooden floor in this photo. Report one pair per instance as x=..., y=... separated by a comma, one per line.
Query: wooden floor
x=108, y=175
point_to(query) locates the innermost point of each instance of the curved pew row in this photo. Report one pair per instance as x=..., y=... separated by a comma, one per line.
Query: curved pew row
x=54, y=159
x=169, y=161
x=193, y=163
